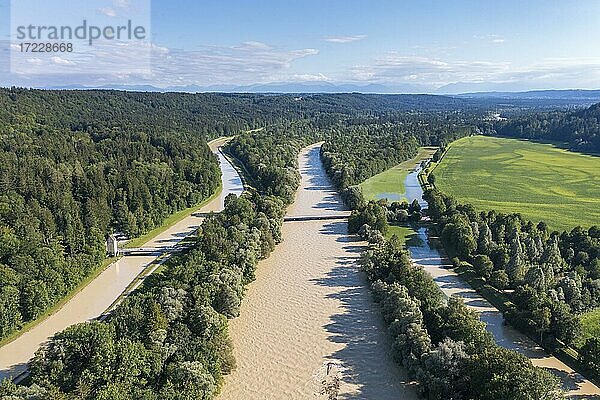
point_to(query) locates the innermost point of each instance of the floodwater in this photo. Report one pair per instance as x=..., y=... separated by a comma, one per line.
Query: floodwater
x=452, y=285
x=98, y=295
x=308, y=323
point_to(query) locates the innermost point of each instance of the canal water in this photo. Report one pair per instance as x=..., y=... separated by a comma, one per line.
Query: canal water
x=99, y=294
x=424, y=254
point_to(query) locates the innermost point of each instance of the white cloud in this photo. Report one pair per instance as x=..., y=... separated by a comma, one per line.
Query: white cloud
x=122, y=3
x=253, y=45
x=433, y=73
x=309, y=78
x=119, y=8
x=345, y=39
x=108, y=11
x=61, y=61
x=250, y=62
x=492, y=38
x=111, y=62
x=398, y=68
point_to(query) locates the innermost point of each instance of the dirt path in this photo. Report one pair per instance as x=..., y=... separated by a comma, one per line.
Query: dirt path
x=99, y=294
x=308, y=322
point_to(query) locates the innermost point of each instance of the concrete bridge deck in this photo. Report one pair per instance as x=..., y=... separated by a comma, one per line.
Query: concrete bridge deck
x=299, y=218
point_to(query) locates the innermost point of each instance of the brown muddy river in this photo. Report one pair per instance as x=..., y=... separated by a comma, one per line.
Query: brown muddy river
x=308, y=321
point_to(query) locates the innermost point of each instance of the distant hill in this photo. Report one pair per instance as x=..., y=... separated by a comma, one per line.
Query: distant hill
x=580, y=128
x=572, y=94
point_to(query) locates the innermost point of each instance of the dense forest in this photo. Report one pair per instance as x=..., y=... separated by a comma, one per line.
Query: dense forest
x=210, y=114
x=169, y=339
x=78, y=165
x=581, y=128
x=62, y=190
x=354, y=153
x=360, y=148
x=442, y=344
x=549, y=277
x=274, y=172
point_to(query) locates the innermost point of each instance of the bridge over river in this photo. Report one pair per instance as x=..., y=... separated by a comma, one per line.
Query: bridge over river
x=299, y=218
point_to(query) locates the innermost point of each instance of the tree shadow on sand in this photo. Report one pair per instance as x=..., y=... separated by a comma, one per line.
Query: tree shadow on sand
x=365, y=357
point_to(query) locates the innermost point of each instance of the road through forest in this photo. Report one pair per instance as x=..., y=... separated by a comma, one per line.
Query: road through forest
x=99, y=294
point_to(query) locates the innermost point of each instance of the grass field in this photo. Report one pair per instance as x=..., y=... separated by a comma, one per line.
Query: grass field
x=540, y=181
x=590, y=323
x=390, y=184
x=406, y=234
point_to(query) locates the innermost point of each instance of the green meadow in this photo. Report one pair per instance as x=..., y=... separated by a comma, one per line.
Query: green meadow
x=390, y=184
x=540, y=181
x=590, y=324
x=406, y=234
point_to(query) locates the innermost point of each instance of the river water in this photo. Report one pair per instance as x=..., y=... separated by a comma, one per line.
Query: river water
x=452, y=285
x=98, y=295
x=308, y=320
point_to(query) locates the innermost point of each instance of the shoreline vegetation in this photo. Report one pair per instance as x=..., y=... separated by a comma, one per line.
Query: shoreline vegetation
x=378, y=240
x=508, y=284
x=71, y=187
x=574, y=343
x=133, y=243
x=52, y=310
x=208, y=278
x=169, y=339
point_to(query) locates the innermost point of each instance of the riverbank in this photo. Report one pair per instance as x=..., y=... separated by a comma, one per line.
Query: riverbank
x=93, y=299
x=426, y=255
x=390, y=184
x=308, y=323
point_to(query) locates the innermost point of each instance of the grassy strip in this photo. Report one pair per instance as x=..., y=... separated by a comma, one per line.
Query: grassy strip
x=406, y=234
x=137, y=242
x=590, y=322
x=33, y=323
x=494, y=296
x=134, y=284
x=172, y=220
x=391, y=182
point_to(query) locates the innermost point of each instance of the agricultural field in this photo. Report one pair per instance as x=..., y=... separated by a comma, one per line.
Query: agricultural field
x=590, y=324
x=390, y=184
x=540, y=181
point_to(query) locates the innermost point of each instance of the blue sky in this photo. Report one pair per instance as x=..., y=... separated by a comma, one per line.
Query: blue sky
x=403, y=46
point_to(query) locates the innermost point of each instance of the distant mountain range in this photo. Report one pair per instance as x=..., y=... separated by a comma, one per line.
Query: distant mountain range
x=573, y=94
x=283, y=87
